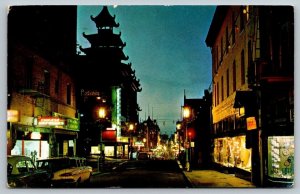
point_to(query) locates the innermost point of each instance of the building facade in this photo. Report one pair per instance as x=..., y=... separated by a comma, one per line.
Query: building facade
x=42, y=115
x=253, y=84
x=109, y=86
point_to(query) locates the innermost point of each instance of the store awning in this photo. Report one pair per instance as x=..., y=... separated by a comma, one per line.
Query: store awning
x=244, y=98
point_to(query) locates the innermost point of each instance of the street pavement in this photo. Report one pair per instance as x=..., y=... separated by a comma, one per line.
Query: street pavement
x=215, y=179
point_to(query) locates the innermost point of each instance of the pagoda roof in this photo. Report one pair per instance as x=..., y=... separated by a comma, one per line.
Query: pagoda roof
x=104, y=19
x=129, y=75
x=105, y=52
x=105, y=39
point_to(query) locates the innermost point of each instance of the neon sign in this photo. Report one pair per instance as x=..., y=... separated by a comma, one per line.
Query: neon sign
x=50, y=121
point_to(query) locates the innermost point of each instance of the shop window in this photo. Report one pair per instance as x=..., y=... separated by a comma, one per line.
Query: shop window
x=281, y=157
x=232, y=152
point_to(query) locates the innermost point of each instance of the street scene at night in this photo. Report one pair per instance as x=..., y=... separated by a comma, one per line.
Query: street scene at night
x=150, y=96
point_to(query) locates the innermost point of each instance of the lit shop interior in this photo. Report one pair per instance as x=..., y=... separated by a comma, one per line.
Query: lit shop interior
x=281, y=157
x=232, y=152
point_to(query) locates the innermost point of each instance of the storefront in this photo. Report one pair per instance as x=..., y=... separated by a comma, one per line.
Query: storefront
x=43, y=137
x=231, y=152
x=281, y=160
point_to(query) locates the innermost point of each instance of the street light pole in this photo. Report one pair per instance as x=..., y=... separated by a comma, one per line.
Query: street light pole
x=186, y=115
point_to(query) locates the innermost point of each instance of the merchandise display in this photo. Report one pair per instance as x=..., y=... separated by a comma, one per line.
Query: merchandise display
x=281, y=157
x=232, y=152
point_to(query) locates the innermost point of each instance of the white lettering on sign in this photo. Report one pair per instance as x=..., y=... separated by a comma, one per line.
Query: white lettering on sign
x=50, y=121
x=89, y=93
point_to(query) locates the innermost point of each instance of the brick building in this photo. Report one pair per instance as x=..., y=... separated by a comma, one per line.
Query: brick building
x=252, y=98
x=42, y=115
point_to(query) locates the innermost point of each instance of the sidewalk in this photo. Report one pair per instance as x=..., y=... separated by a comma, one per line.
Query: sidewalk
x=215, y=179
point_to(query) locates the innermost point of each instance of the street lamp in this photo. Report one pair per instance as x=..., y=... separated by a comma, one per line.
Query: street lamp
x=186, y=116
x=102, y=113
x=130, y=128
x=178, y=128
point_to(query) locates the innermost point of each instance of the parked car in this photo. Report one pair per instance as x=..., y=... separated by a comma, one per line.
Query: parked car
x=143, y=156
x=66, y=171
x=21, y=172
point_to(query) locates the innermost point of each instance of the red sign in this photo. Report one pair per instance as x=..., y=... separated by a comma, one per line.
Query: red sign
x=251, y=123
x=109, y=135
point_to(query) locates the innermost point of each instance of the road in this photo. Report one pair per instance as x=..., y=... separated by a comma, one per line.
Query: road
x=142, y=174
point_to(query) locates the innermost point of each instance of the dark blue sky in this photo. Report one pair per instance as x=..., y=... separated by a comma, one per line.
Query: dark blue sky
x=166, y=46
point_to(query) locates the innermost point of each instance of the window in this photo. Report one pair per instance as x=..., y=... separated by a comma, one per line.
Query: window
x=222, y=51
x=56, y=88
x=28, y=73
x=234, y=76
x=227, y=40
x=222, y=88
x=69, y=94
x=233, y=28
x=217, y=93
x=227, y=82
x=243, y=67
x=242, y=22
x=46, y=82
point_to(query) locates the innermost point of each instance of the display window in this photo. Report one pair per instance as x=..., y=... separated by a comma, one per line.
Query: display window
x=32, y=148
x=281, y=157
x=232, y=152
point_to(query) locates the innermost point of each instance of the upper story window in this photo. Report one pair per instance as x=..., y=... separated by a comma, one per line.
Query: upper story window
x=69, y=93
x=222, y=88
x=227, y=40
x=233, y=28
x=227, y=83
x=222, y=51
x=46, y=82
x=234, y=76
x=28, y=73
x=243, y=67
x=242, y=19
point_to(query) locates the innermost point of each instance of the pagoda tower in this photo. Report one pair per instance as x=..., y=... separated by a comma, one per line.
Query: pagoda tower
x=106, y=80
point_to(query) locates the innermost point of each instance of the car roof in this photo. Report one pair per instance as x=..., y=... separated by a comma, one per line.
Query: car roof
x=61, y=158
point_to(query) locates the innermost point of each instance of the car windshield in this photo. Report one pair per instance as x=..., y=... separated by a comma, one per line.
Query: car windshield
x=53, y=165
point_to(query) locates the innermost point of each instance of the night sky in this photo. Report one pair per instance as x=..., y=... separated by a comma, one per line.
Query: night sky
x=166, y=46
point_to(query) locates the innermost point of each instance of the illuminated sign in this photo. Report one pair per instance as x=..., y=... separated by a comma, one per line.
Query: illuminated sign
x=251, y=123
x=109, y=135
x=89, y=92
x=73, y=124
x=35, y=135
x=50, y=121
x=12, y=116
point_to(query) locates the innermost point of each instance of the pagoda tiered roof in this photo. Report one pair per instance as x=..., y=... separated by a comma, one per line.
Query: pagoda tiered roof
x=129, y=75
x=105, y=39
x=105, y=52
x=104, y=19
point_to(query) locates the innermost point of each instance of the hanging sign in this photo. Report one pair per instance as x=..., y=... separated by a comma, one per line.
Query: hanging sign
x=251, y=123
x=12, y=116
